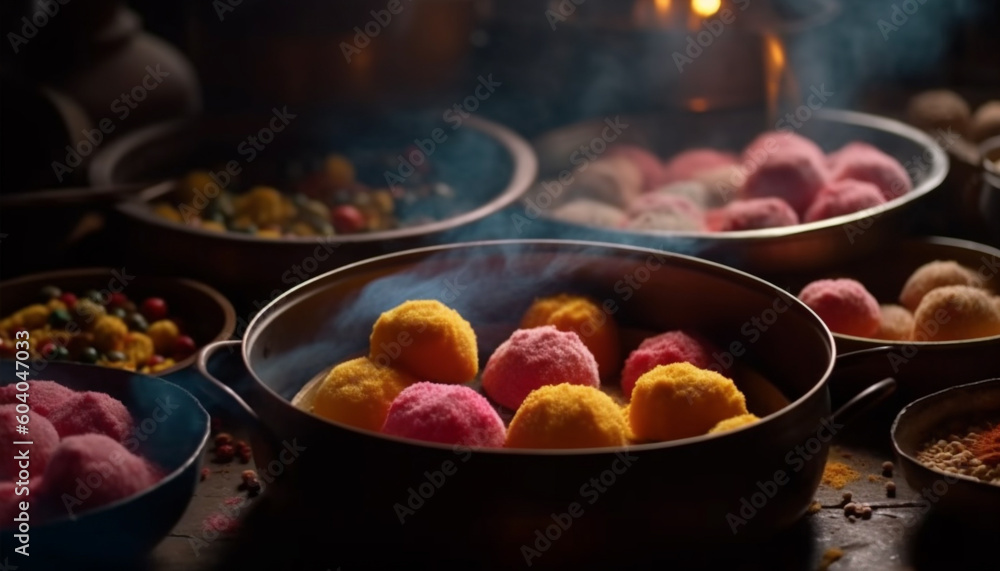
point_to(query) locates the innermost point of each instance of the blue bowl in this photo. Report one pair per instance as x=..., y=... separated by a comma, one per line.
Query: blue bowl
x=128, y=529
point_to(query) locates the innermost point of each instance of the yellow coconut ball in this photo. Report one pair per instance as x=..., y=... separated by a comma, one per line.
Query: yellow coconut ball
x=358, y=392
x=567, y=416
x=734, y=423
x=954, y=313
x=680, y=401
x=582, y=316
x=933, y=275
x=427, y=339
x=109, y=333
x=896, y=323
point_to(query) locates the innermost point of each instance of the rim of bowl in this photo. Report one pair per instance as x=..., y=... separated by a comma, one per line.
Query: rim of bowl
x=522, y=154
x=195, y=456
x=939, y=166
x=994, y=383
x=714, y=267
x=940, y=241
x=228, y=312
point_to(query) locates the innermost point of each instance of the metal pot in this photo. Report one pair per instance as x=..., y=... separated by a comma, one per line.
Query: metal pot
x=487, y=165
x=801, y=247
x=492, y=503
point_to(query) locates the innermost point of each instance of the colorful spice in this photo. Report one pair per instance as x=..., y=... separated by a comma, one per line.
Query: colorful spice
x=987, y=447
x=837, y=475
x=960, y=453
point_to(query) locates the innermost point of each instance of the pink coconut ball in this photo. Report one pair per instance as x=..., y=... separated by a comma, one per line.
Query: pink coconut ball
x=42, y=435
x=93, y=413
x=844, y=305
x=752, y=214
x=449, y=414
x=844, y=197
x=98, y=464
x=784, y=165
x=688, y=164
x=647, y=163
x=665, y=349
x=533, y=358
x=43, y=396
x=861, y=161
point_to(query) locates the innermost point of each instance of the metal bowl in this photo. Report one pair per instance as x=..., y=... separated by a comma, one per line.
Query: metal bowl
x=118, y=534
x=487, y=165
x=989, y=194
x=805, y=246
x=953, y=494
x=207, y=315
x=690, y=490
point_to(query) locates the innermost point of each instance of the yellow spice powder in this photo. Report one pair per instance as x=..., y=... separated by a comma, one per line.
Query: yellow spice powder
x=837, y=475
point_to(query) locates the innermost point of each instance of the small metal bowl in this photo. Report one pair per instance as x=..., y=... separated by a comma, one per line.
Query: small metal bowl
x=936, y=364
x=207, y=315
x=127, y=529
x=954, y=494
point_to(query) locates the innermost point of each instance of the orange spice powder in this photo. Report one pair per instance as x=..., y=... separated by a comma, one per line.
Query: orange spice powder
x=837, y=475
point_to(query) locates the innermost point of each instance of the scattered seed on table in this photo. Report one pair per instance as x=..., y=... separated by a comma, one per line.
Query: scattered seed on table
x=887, y=469
x=890, y=489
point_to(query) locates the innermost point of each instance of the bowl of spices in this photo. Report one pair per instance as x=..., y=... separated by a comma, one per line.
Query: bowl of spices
x=948, y=444
x=112, y=318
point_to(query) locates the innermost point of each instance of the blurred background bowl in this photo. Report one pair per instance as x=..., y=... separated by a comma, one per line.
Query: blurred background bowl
x=118, y=534
x=206, y=315
x=487, y=166
x=800, y=247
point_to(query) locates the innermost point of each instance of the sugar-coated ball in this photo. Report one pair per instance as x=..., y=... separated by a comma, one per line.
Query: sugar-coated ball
x=844, y=305
x=734, y=423
x=844, y=197
x=784, y=165
x=448, y=414
x=863, y=162
x=92, y=412
x=752, y=214
x=664, y=349
x=535, y=357
x=428, y=340
x=43, y=436
x=567, y=416
x=933, y=275
x=359, y=392
x=583, y=316
x=953, y=313
x=896, y=323
x=680, y=401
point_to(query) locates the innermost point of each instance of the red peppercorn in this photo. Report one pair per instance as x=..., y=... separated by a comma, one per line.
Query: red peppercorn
x=154, y=309
x=69, y=299
x=224, y=453
x=47, y=348
x=223, y=438
x=155, y=360
x=184, y=347
x=347, y=219
x=117, y=300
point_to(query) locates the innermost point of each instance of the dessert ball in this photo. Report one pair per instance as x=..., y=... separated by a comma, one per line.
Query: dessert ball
x=734, y=423
x=933, y=275
x=752, y=214
x=863, y=162
x=680, y=401
x=664, y=349
x=985, y=122
x=786, y=166
x=896, y=323
x=567, y=416
x=359, y=392
x=844, y=305
x=646, y=162
x=43, y=396
x=590, y=213
x=939, y=109
x=533, y=358
x=41, y=434
x=953, y=313
x=449, y=414
x=844, y=197
x=723, y=183
x=700, y=194
x=663, y=222
x=93, y=413
x=427, y=339
x=614, y=180
x=582, y=316
x=105, y=468
x=688, y=164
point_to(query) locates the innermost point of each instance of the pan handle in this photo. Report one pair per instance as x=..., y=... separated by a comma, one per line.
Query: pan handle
x=232, y=361
x=871, y=395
